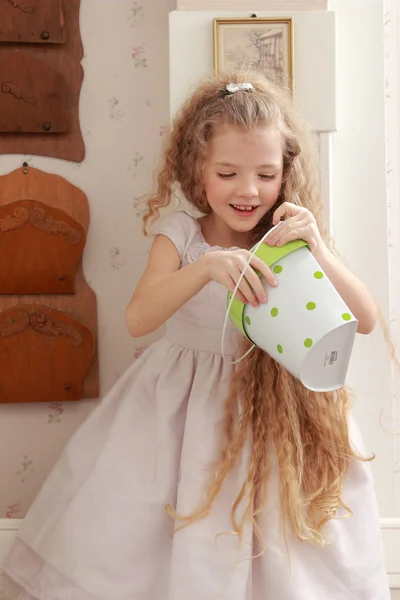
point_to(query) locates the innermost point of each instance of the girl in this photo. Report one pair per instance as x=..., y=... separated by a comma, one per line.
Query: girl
x=263, y=478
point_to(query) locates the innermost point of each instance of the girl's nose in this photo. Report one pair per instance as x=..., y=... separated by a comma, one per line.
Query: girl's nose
x=247, y=189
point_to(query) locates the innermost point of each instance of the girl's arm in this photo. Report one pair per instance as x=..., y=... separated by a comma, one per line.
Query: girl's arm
x=299, y=223
x=353, y=292
x=165, y=287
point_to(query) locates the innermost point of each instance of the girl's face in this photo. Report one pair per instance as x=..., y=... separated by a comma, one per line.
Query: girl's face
x=243, y=174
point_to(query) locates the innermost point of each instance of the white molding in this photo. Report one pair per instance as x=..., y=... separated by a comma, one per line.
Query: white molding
x=8, y=531
x=392, y=63
x=325, y=176
x=391, y=541
x=251, y=5
x=9, y=524
x=388, y=523
x=390, y=533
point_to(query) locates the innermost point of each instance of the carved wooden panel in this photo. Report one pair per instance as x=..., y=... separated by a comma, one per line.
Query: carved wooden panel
x=57, y=197
x=40, y=248
x=62, y=142
x=34, y=97
x=44, y=355
x=32, y=21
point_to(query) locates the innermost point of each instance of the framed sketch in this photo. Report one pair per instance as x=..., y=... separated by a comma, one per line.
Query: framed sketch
x=261, y=44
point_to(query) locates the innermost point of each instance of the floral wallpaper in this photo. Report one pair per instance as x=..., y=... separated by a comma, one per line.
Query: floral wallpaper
x=124, y=115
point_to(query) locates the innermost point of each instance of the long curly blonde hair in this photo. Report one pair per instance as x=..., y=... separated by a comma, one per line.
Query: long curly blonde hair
x=307, y=430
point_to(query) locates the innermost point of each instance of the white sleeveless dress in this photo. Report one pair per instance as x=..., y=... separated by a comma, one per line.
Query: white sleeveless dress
x=98, y=531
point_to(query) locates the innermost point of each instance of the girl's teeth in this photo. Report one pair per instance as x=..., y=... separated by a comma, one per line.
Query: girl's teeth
x=244, y=208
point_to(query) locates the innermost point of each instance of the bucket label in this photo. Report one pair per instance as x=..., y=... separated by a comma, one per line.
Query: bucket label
x=331, y=358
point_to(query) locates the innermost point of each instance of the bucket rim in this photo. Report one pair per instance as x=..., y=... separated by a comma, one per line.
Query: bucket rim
x=270, y=255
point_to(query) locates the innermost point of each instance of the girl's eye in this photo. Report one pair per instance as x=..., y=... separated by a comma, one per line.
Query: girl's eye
x=267, y=176
x=226, y=175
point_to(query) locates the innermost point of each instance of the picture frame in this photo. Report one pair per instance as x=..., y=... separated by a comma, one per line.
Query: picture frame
x=262, y=44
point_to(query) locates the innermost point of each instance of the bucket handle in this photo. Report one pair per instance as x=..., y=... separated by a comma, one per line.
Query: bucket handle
x=239, y=281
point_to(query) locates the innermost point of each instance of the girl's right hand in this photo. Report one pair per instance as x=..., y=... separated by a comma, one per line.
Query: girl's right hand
x=226, y=266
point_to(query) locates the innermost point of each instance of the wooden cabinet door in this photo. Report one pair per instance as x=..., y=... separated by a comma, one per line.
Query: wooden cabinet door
x=44, y=355
x=41, y=247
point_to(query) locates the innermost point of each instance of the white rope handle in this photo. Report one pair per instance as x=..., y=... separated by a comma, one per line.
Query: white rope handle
x=239, y=281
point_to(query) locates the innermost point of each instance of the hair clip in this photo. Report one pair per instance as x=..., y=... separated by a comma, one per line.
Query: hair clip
x=232, y=88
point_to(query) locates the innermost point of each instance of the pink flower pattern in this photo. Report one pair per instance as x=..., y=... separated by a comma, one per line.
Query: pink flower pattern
x=13, y=510
x=138, y=55
x=57, y=409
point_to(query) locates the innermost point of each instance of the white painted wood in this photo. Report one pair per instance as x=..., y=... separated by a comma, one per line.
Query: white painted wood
x=359, y=217
x=325, y=176
x=251, y=5
x=191, y=58
x=8, y=531
x=392, y=55
x=391, y=540
x=395, y=584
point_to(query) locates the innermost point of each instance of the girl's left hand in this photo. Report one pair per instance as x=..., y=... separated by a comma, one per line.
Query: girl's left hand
x=300, y=224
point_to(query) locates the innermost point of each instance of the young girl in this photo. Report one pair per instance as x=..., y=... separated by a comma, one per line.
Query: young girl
x=195, y=479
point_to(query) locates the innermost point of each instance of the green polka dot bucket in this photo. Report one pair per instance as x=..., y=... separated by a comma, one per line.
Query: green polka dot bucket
x=305, y=325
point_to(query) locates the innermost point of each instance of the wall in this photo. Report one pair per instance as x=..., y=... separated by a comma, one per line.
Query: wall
x=124, y=115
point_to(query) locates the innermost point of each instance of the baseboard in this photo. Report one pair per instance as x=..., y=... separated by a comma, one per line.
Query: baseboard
x=8, y=530
x=391, y=540
x=390, y=533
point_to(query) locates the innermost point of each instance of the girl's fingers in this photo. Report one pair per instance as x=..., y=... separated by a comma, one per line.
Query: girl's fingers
x=286, y=209
x=304, y=232
x=254, y=281
x=265, y=271
x=231, y=287
x=271, y=239
x=309, y=238
x=244, y=287
x=293, y=229
x=251, y=289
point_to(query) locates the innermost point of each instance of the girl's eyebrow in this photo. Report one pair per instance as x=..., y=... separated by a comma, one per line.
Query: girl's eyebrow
x=267, y=166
